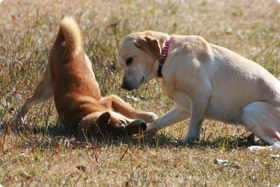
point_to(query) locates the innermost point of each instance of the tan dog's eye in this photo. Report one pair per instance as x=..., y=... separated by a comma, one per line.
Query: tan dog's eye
x=129, y=61
x=123, y=123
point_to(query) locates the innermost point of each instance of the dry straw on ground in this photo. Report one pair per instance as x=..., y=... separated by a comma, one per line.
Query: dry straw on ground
x=48, y=155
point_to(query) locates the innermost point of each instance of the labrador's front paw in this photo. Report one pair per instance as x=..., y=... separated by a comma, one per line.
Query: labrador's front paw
x=150, y=133
x=150, y=117
x=19, y=121
x=190, y=140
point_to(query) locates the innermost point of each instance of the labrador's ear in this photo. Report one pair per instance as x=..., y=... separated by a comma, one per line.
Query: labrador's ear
x=150, y=45
x=104, y=118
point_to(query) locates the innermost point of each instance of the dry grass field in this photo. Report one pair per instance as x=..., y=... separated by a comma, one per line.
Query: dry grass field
x=45, y=154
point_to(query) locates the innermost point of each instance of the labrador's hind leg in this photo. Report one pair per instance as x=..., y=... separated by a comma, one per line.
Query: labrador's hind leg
x=263, y=119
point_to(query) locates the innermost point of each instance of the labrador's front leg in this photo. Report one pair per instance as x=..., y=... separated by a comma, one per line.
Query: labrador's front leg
x=198, y=109
x=173, y=116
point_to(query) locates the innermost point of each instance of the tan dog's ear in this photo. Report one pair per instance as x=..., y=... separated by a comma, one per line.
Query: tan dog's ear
x=150, y=45
x=104, y=118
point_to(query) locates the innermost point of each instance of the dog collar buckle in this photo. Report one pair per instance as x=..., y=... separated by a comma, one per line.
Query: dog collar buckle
x=164, y=55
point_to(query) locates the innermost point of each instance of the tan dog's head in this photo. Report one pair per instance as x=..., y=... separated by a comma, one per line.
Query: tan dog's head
x=139, y=56
x=115, y=125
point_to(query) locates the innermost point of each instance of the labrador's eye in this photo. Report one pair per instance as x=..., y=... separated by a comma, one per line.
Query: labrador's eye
x=129, y=61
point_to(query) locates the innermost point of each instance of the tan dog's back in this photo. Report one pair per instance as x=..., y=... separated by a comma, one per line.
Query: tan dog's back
x=75, y=84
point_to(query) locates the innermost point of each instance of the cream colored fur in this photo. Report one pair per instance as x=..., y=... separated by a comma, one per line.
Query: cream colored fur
x=205, y=81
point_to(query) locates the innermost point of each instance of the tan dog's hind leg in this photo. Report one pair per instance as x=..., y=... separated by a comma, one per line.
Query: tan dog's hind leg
x=263, y=120
x=125, y=109
x=43, y=92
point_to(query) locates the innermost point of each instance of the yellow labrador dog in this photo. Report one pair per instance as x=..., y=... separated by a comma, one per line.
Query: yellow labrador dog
x=205, y=81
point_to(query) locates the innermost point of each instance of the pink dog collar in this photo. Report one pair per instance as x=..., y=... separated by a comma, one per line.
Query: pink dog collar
x=164, y=55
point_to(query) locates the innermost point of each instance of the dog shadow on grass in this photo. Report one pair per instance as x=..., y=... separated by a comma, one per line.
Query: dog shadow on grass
x=230, y=143
x=57, y=133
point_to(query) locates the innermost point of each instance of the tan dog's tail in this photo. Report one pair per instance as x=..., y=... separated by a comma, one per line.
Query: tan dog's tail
x=69, y=32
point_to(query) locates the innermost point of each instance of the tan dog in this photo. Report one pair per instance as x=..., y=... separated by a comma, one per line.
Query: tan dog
x=70, y=78
x=205, y=81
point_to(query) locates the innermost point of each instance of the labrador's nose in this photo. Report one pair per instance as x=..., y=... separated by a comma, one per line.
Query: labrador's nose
x=125, y=85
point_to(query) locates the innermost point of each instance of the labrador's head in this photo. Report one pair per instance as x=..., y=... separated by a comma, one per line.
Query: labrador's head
x=138, y=56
